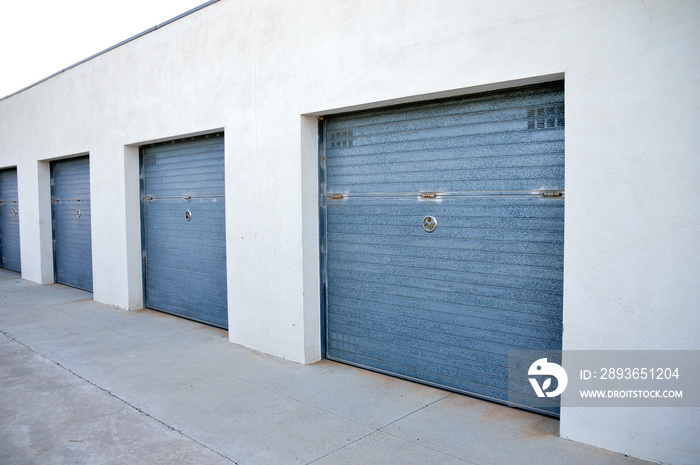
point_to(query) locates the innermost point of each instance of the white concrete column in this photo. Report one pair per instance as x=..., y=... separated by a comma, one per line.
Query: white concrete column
x=132, y=215
x=310, y=239
x=36, y=244
x=116, y=233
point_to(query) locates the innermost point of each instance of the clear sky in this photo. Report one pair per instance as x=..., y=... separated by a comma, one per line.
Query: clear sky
x=40, y=37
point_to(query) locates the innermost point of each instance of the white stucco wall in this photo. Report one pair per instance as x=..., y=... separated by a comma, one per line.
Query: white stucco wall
x=263, y=70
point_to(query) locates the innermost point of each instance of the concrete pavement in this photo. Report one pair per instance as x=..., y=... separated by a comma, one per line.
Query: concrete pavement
x=86, y=383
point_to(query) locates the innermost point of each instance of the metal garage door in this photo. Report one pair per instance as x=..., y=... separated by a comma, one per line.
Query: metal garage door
x=9, y=221
x=444, y=236
x=184, y=228
x=70, y=189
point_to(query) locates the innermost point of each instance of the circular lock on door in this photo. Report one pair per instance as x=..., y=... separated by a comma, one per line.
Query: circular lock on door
x=188, y=215
x=77, y=213
x=429, y=223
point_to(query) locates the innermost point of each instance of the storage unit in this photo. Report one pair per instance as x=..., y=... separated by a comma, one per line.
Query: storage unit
x=184, y=230
x=72, y=240
x=444, y=236
x=9, y=221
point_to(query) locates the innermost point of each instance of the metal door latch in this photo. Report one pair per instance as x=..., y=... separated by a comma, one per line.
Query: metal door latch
x=429, y=223
x=77, y=213
x=188, y=215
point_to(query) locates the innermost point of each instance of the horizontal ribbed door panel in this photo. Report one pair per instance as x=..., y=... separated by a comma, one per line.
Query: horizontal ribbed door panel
x=185, y=259
x=445, y=307
x=463, y=145
x=72, y=222
x=9, y=221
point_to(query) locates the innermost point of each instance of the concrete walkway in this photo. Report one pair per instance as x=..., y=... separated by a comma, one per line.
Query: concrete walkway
x=85, y=383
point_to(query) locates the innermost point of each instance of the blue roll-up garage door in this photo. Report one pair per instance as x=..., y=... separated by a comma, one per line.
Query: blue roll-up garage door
x=444, y=236
x=184, y=228
x=70, y=181
x=9, y=221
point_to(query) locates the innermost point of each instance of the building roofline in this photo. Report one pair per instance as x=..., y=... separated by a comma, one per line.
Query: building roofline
x=141, y=34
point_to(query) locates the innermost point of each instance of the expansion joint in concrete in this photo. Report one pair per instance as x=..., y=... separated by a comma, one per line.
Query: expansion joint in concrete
x=377, y=430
